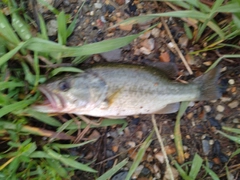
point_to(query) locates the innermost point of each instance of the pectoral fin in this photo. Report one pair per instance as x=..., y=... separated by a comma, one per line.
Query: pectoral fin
x=170, y=108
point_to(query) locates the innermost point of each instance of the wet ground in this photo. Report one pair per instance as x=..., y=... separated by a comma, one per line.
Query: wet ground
x=199, y=123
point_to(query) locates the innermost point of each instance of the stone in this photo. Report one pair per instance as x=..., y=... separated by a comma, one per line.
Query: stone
x=233, y=104
x=112, y=56
x=52, y=27
x=148, y=44
x=159, y=156
x=220, y=108
x=207, y=108
x=155, y=32
x=231, y=81
x=219, y=116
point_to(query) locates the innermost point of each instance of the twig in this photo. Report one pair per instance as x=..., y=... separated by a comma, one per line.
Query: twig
x=162, y=146
x=176, y=46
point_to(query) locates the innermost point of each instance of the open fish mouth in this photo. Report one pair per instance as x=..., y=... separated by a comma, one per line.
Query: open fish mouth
x=52, y=102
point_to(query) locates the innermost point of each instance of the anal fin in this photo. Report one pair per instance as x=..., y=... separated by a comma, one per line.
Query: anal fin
x=168, y=109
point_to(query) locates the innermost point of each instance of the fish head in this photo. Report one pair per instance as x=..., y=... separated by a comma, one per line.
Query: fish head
x=72, y=94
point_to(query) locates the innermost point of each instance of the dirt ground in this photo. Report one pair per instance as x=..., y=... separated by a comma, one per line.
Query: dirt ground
x=201, y=119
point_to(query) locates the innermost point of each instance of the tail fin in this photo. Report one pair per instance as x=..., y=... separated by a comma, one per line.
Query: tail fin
x=209, y=89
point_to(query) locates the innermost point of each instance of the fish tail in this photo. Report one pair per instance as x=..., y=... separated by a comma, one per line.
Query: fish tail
x=208, y=86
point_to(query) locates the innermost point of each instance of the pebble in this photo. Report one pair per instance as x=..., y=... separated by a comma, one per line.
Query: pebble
x=98, y=5
x=112, y=56
x=231, y=81
x=219, y=116
x=137, y=172
x=226, y=99
x=169, y=150
x=52, y=27
x=94, y=135
x=164, y=57
x=145, y=35
x=131, y=144
x=155, y=32
x=115, y=148
x=183, y=41
x=120, y=176
x=233, y=104
x=206, y=147
x=149, y=158
x=156, y=168
x=186, y=155
x=207, y=108
x=159, y=156
x=208, y=63
x=211, y=141
x=145, y=51
x=220, y=108
x=91, y=13
x=120, y=2
x=235, y=120
x=148, y=44
x=167, y=175
x=139, y=135
x=170, y=45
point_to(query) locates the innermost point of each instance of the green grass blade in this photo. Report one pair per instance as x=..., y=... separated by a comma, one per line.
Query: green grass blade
x=15, y=106
x=6, y=30
x=10, y=85
x=43, y=28
x=233, y=138
x=42, y=117
x=234, y=130
x=196, y=166
x=139, y=156
x=177, y=131
x=68, y=161
x=113, y=170
x=67, y=146
x=62, y=28
x=11, y=53
x=65, y=69
x=213, y=175
x=182, y=173
x=21, y=27
x=229, y=8
x=50, y=7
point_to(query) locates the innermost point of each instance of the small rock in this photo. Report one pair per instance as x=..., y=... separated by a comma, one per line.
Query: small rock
x=98, y=5
x=231, y=81
x=159, y=156
x=169, y=150
x=102, y=18
x=186, y=155
x=206, y=147
x=120, y=176
x=115, y=148
x=170, y=45
x=52, y=27
x=188, y=136
x=219, y=116
x=172, y=136
x=164, y=57
x=145, y=51
x=89, y=155
x=139, y=135
x=216, y=160
x=91, y=13
x=225, y=99
x=145, y=35
x=131, y=144
x=149, y=158
x=148, y=44
x=211, y=142
x=120, y=2
x=155, y=32
x=207, y=108
x=190, y=115
x=124, y=27
x=183, y=41
x=112, y=56
x=174, y=172
x=208, y=63
x=185, y=148
x=137, y=172
x=235, y=120
x=96, y=58
x=94, y=135
x=233, y=104
x=220, y=108
x=156, y=168
x=145, y=171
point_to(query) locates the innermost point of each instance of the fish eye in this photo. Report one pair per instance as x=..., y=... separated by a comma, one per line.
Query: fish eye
x=64, y=86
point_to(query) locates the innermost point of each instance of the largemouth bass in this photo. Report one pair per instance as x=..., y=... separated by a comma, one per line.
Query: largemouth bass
x=123, y=90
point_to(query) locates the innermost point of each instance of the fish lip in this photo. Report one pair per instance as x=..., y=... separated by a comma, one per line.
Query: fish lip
x=51, y=97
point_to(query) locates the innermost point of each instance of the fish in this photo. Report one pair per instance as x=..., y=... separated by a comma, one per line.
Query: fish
x=121, y=90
